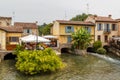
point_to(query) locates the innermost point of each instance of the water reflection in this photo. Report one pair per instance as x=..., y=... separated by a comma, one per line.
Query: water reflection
x=78, y=68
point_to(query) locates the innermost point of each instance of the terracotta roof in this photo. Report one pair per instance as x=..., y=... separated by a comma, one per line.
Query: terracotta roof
x=75, y=22
x=118, y=19
x=1, y=17
x=103, y=19
x=12, y=29
x=26, y=25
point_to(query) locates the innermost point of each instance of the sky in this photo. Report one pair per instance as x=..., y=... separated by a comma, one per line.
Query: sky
x=47, y=11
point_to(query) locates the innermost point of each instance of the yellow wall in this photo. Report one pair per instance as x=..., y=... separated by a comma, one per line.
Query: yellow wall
x=63, y=35
x=2, y=39
x=55, y=29
x=76, y=27
x=14, y=35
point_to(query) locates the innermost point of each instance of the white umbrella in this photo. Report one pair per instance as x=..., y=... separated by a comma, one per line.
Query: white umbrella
x=50, y=36
x=34, y=38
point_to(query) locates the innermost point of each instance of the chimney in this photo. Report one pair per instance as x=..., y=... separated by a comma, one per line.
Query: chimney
x=95, y=16
x=109, y=15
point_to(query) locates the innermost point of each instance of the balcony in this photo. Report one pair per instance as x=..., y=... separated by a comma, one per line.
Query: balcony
x=107, y=31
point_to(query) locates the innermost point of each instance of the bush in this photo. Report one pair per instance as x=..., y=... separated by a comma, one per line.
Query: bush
x=18, y=49
x=33, y=62
x=96, y=45
x=101, y=51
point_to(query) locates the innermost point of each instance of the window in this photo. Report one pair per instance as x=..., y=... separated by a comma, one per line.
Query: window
x=69, y=29
x=99, y=27
x=106, y=38
x=99, y=38
x=88, y=29
x=114, y=27
x=13, y=39
x=107, y=28
x=28, y=31
x=8, y=24
x=69, y=39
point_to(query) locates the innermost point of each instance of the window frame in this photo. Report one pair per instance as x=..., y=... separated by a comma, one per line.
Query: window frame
x=69, y=30
x=114, y=28
x=99, y=38
x=13, y=39
x=99, y=26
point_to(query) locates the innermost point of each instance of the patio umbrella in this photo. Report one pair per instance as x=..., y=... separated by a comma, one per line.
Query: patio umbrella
x=34, y=38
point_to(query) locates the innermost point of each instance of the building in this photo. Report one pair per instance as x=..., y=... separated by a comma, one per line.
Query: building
x=105, y=27
x=5, y=21
x=62, y=29
x=9, y=37
x=28, y=28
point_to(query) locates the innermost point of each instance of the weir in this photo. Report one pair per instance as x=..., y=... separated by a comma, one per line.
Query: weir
x=107, y=58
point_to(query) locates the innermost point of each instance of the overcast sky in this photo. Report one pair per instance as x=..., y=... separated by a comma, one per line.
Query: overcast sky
x=50, y=10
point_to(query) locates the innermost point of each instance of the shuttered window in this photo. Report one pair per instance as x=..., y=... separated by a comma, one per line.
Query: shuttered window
x=114, y=27
x=69, y=39
x=28, y=31
x=99, y=26
x=88, y=29
x=69, y=29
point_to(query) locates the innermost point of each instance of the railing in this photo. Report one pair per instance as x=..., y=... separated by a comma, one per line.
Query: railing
x=107, y=31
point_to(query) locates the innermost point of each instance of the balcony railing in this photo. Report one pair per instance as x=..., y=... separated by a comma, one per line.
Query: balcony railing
x=107, y=31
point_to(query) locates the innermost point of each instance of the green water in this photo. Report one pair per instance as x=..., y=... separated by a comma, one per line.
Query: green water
x=78, y=68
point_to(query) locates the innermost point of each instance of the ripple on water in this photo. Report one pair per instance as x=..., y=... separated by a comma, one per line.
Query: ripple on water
x=78, y=68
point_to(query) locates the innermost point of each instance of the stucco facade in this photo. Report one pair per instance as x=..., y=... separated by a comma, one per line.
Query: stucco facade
x=2, y=40
x=10, y=35
x=59, y=30
x=105, y=27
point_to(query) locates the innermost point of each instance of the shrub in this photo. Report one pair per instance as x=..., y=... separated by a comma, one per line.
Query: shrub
x=33, y=62
x=101, y=51
x=18, y=49
x=96, y=45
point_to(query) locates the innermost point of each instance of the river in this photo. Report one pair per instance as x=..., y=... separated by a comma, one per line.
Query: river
x=90, y=67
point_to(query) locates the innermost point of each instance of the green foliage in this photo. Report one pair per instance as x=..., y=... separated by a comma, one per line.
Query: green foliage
x=80, y=17
x=45, y=29
x=18, y=49
x=33, y=62
x=81, y=38
x=96, y=45
x=101, y=51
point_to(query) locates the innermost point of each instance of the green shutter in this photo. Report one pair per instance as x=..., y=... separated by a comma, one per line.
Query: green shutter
x=72, y=29
x=69, y=39
x=89, y=29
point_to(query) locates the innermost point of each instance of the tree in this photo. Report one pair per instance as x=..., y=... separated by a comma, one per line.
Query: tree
x=81, y=39
x=80, y=17
x=45, y=29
